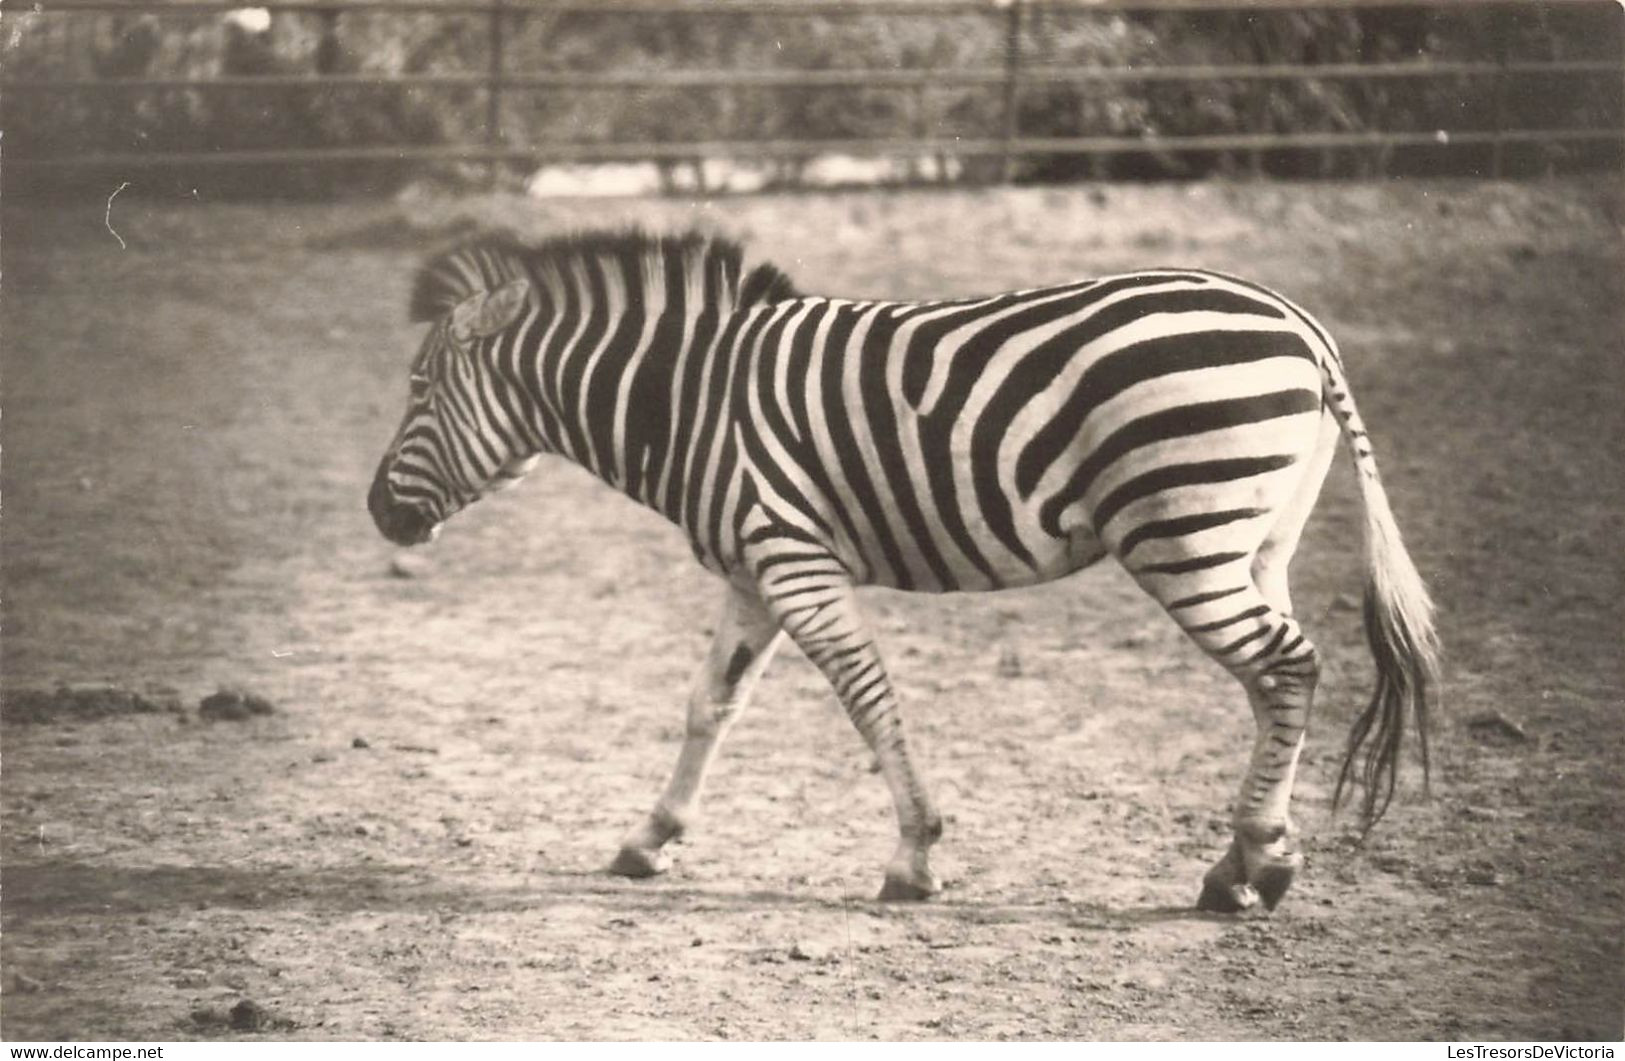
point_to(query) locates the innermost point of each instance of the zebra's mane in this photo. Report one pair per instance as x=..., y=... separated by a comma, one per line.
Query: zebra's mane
x=490, y=259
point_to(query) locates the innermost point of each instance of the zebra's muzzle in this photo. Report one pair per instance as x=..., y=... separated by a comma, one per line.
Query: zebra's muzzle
x=401, y=523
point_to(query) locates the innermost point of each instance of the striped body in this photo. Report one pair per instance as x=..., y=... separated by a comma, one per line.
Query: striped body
x=1000, y=442
x=1179, y=420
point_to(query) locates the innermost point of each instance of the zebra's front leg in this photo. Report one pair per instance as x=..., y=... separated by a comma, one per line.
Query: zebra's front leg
x=815, y=603
x=745, y=641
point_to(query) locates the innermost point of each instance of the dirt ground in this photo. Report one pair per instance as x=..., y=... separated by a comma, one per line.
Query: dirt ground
x=411, y=845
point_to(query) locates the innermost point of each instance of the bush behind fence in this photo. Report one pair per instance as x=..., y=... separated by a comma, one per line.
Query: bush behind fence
x=309, y=79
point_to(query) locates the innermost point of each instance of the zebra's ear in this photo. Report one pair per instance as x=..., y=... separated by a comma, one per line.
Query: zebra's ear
x=486, y=313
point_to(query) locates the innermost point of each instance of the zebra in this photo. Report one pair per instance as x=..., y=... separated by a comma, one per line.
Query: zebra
x=1179, y=420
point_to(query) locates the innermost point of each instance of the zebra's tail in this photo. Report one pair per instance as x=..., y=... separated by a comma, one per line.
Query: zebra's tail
x=1398, y=626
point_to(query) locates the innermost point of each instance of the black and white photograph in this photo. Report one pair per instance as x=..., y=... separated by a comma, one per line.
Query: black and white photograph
x=893, y=521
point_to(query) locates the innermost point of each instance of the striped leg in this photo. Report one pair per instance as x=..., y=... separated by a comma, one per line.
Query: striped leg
x=745, y=641
x=1263, y=858
x=1262, y=646
x=813, y=599
x=1240, y=613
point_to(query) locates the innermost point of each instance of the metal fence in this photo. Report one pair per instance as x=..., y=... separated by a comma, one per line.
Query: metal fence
x=1006, y=84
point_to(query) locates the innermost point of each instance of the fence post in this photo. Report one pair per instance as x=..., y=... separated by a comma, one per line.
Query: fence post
x=1504, y=27
x=329, y=52
x=918, y=130
x=1012, y=87
x=493, y=96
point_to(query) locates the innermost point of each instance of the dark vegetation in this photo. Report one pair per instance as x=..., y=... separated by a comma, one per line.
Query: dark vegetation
x=147, y=45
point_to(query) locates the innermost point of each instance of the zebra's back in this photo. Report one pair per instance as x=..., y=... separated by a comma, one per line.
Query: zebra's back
x=1002, y=441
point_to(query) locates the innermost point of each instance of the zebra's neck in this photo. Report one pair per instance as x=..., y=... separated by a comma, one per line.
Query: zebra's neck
x=626, y=364
x=624, y=361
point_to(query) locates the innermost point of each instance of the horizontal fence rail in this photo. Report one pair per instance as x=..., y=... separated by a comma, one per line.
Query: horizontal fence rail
x=776, y=8
x=586, y=80
x=703, y=149
x=1010, y=83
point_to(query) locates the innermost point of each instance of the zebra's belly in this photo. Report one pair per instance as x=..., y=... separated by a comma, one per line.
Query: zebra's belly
x=1080, y=549
x=950, y=572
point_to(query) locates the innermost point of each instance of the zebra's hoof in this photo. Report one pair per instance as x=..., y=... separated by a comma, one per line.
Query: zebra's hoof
x=639, y=864
x=899, y=890
x=1220, y=898
x=1272, y=882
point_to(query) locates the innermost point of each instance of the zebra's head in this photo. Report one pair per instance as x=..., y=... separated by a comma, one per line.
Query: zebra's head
x=453, y=445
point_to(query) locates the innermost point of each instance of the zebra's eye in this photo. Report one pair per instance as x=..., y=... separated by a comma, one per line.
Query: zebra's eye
x=420, y=385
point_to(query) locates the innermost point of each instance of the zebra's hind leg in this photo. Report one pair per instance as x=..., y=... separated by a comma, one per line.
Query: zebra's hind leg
x=745, y=641
x=1255, y=638
x=815, y=602
x=1264, y=858
x=1239, y=611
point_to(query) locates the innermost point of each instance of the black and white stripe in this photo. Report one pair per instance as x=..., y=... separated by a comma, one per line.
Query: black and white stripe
x=1179, y=420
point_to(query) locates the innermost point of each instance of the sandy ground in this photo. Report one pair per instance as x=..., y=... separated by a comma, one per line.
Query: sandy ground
x=411, y=845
